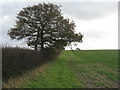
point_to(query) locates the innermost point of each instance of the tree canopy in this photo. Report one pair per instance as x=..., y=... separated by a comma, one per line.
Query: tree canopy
x=43, y=26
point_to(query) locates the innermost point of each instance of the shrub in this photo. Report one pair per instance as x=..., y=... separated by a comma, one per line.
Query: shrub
x=16, y=61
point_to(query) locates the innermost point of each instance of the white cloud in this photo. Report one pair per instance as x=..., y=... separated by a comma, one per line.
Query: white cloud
x=6, y=22
x=4, y=1
x=89, y=10
x=99, y=33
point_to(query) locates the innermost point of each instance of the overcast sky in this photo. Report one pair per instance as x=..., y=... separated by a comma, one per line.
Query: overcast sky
x=97, y=21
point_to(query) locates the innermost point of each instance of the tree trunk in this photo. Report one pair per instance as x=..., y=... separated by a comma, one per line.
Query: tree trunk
x=42, y=42
x=35, y=47
x=36, y=42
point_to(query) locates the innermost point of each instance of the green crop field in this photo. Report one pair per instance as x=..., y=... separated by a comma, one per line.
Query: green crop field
x=79, y=69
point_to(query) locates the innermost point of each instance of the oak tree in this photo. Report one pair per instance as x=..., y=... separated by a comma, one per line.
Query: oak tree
x=43, y=26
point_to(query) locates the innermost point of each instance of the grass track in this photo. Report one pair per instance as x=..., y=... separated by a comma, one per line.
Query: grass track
x=59, y=75
x=89, y=69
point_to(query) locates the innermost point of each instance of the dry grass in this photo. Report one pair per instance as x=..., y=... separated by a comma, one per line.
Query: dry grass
x=17, y=82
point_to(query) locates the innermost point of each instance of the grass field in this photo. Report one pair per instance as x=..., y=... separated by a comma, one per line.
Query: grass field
x=79, y=69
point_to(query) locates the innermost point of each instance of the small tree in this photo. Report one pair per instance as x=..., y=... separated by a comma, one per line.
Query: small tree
x=78, y=49
x=43, y=26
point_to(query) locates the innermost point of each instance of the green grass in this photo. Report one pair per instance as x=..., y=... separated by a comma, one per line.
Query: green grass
x=80, y=69
x=59, y=75
x=98, y=68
